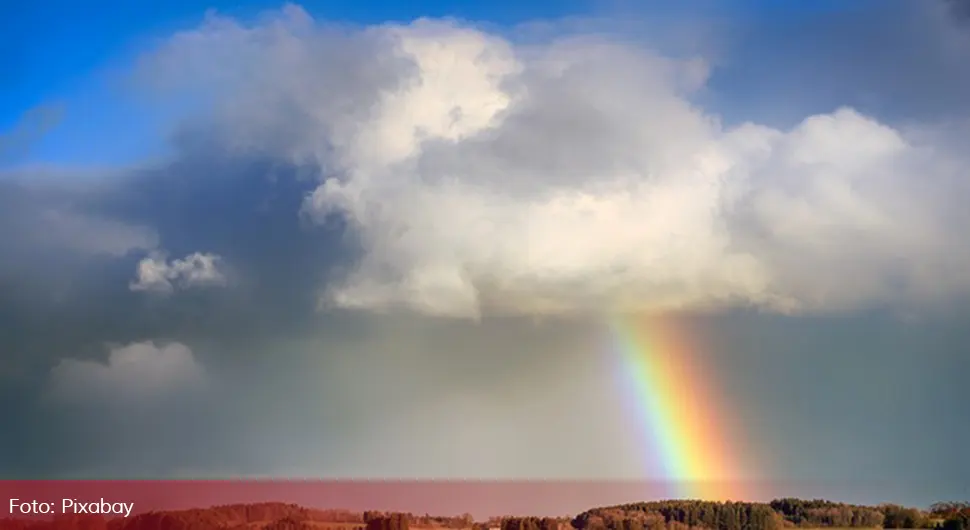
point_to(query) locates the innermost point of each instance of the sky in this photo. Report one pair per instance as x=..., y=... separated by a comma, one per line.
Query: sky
x=323, y=240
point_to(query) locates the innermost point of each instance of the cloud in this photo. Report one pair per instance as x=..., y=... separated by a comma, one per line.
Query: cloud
x=155, y=274
x=94, y=234
x=137, y=371
x=46, y=217
x=959, y=8
x=580, y=174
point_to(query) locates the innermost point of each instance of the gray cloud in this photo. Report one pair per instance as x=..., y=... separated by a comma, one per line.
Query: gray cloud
x=45, y=217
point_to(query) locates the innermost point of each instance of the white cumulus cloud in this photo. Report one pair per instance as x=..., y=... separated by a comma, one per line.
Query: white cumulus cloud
x=576, y=175
x=156, y=274
x=138, y=370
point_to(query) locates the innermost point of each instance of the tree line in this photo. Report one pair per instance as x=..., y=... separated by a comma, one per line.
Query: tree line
x=779, y=514
x=776, y=515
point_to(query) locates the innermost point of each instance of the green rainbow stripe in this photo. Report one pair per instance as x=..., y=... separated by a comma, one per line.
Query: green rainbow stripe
x=675, y=398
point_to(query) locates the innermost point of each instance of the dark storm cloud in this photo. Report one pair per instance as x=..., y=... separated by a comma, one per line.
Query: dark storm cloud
x=230, y=207
x=959, y=8
x=287, y=389
x=65, y=295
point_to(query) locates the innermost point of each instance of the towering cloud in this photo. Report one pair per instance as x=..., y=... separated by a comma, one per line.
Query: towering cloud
x=576, y=175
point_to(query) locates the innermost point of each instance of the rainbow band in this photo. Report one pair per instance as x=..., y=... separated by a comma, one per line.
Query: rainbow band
x=675, y=399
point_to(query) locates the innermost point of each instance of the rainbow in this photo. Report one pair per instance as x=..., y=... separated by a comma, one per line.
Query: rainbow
x=675, y=397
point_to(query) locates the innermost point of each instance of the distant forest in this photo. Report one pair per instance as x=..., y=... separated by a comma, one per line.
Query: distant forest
x=661, y=515
x=776, y=515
